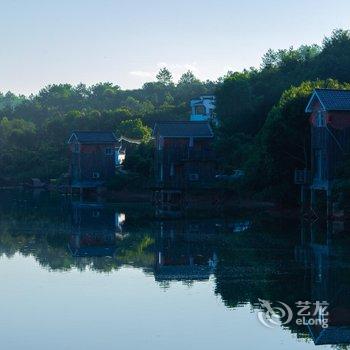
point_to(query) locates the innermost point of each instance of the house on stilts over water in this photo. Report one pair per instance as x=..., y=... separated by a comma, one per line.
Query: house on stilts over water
x=184, y=158
x=330, y=143
x=92, y=159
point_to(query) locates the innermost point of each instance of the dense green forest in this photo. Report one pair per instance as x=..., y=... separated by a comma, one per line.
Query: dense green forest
x=263, y=128
x=34, y=130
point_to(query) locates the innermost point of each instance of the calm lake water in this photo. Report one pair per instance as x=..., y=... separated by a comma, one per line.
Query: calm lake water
x=85, y=275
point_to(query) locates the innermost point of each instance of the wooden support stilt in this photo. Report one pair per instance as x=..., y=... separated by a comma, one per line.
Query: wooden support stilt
x=303, y=199
x=302, y=233
x=330, y=229
x=312, y=200
x=329, y=204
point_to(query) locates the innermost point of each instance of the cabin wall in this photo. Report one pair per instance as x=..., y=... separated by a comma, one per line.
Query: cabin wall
x=92, y=159
x=339, y=120
x=329, y=144
x=74, y=166
x=180, y=161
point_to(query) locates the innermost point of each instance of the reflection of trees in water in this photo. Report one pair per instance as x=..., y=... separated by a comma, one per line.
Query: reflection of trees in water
x=52, y=253
x=272, y=261
x=261, y=265
x=44, y=229
x=315, y=267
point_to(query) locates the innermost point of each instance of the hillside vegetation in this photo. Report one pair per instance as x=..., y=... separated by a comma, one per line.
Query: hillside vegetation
x=263, y=128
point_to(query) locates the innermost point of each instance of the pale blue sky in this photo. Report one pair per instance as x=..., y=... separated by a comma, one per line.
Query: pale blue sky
x=126, y=42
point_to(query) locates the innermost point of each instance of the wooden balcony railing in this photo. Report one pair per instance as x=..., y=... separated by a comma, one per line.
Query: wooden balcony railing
x=176, y=155
x=302, y=177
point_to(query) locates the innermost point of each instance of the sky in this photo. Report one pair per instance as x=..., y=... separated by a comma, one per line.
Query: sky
x=127, y=41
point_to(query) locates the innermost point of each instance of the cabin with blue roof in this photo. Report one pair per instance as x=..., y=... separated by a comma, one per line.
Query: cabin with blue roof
x=92, y=159
x=329, y=111
x=184, y=154
x=184, y=159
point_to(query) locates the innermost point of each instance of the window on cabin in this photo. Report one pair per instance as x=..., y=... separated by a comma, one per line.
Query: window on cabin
x=96, y=213
x=318, y=164
x=161, y=172
x=109, y=151
x=76, y=148
x=160, y=143
x=200, y=110
x=320, y=120
x=194, y=177
x=95, y=175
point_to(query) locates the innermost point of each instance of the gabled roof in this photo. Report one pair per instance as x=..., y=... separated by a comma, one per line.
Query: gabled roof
x=90, y=137
x=183, y=129
x=330, y=100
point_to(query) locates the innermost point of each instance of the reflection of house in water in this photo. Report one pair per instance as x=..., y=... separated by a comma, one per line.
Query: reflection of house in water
x=329, y=269
x=94, y=230
x=184, y=251
x=168, y=210
x=240, y=226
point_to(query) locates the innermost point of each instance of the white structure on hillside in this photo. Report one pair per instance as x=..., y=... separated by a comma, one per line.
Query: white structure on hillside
x=120, y=155
x=203, y=108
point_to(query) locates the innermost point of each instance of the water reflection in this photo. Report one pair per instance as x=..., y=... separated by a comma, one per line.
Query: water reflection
x=324, y=253
x=184, y=251
x=248, y=258
x=94, y=230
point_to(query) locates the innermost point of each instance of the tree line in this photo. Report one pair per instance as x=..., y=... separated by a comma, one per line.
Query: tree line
x=262, y=125
x=34, y=130
x=264, y=128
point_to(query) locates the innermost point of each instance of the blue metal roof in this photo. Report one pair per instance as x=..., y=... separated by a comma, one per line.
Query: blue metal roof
x=330, y=100
x=94, y=137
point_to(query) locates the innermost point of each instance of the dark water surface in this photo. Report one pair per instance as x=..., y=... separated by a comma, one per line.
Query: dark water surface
x=89, y=275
